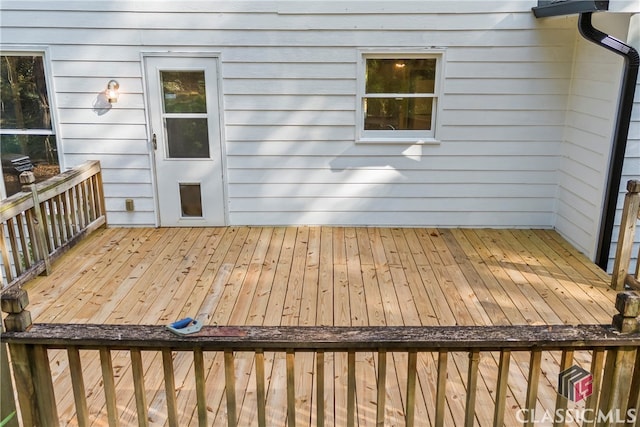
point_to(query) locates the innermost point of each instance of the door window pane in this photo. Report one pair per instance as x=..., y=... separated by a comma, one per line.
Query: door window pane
x=187, y=138
x=184, y=91
x=191, y=200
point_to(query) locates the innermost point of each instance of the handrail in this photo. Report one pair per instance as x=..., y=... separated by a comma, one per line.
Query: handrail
x=43, y=221
x=630, y=217
x=614, y=351
x=327, y=338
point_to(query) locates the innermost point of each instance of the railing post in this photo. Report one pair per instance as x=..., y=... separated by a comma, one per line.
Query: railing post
x=628, y=223
x=7, y=399
x=28, y=179
x=620, y=366
x=30, y=363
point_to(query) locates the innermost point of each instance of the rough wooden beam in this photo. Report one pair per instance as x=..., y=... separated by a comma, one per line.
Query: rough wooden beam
x=311, y=338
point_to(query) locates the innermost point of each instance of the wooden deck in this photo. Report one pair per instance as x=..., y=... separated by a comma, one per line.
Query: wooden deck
x=316, y=276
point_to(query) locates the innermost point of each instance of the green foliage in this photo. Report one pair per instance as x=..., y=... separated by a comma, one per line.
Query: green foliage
x=23, y=89
x=184, y=92
x=7, y=419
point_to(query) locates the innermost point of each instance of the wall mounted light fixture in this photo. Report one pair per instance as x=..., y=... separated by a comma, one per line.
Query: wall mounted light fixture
x=112, y=91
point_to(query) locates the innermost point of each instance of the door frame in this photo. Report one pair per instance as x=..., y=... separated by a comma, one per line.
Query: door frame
x=216, y=56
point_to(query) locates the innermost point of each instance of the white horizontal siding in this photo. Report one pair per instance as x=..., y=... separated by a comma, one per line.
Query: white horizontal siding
x=585, y=152
x=631, y=167
x=289, y=83
x=389, y=175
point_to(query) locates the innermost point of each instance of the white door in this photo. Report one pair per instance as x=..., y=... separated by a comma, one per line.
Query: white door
x=185, y=126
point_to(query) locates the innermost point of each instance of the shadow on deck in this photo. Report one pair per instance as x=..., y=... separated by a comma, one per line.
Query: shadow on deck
x=322, y=276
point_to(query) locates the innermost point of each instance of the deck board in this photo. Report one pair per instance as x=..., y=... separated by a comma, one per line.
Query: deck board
x=317, y=276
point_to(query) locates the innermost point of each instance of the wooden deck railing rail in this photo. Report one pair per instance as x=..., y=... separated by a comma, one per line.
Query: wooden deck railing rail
x=40, y=223
x=630, y=217
x=614, y=367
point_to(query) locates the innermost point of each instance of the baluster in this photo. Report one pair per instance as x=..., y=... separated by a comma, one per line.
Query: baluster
x=77, y=383
x=441, y=389
x=411, y=388
x=533, y=381
x=106, y=363
x=80, y=205
x=201, y=395
x=58, y=223
x=561, y=401
x=291, y=389
x=501, y=388
x=102, y=210
x=351, y=389
x=74, y=220
x=4, y=252
x=68, y=215
x=382, y=387
x=320, y=389
x=15, y=248
x=86, y=203
x=170, y=387
x=591, y=404
x=472, y=385
x=230, y=387
x=138, y=386
x=260, y=389
x=91, y=210
x=24, y=242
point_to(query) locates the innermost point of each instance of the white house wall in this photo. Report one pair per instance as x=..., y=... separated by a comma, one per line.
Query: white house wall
x=289, y=84
x=289, y=94
x=591, y=111
x=631, y=169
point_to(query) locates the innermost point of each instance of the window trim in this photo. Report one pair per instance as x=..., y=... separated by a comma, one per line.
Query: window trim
x=402, y=136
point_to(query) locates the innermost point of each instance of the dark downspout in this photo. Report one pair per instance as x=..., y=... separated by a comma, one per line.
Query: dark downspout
x=621, y=131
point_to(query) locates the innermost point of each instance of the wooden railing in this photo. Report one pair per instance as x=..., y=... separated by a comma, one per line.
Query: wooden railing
x=613, y=387
x=40, y=223
x=630, y=217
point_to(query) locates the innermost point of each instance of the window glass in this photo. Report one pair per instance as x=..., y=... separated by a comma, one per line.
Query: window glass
x=184, y=92
x=20, y=153
x=25, y=103
x=400, y=75
x=27, y=141
x=187, y=138
x=398, y=113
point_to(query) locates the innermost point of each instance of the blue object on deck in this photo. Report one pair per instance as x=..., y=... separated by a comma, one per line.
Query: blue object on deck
x=185, y=326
